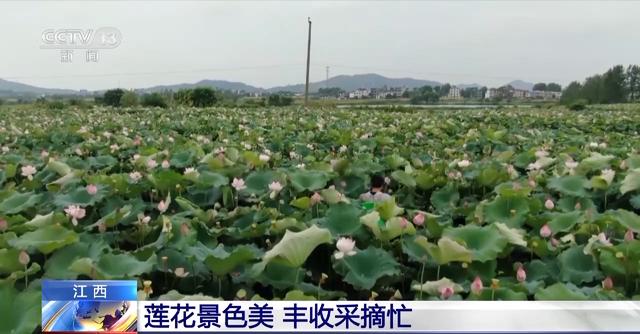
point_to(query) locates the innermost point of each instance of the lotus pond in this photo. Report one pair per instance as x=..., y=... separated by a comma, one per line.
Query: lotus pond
x=499, y=204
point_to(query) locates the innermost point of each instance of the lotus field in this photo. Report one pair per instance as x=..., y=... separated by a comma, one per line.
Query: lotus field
x=493, y=204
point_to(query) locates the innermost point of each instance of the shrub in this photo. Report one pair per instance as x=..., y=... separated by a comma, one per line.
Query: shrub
x=112, y=97
x=154, y=100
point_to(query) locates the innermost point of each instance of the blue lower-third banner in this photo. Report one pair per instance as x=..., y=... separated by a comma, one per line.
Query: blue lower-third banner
x=381, y=316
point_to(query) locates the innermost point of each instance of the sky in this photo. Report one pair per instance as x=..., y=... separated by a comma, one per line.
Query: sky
x=263, y=43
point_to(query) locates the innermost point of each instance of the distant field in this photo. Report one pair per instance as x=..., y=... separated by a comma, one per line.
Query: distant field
x=499, y=204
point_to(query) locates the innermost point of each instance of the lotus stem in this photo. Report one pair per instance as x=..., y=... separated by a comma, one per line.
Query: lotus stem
x=219, y=286
x=26, y=277
x=438, y=273
x=422, y=278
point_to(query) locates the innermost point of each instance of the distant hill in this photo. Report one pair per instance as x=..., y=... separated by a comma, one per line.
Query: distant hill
x=353, y=82
x=523, y=85
x=12, y=88
x=217, y=84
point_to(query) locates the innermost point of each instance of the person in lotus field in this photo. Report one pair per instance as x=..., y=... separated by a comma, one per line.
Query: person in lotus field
x=376, y=193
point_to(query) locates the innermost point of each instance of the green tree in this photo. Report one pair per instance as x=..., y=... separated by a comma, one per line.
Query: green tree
x=183, y=97
x=541, y=86
x=154, y=100
x=202, y=97
x=554, y=87
x=330, y=92
x=112, y=97
x=571, y=93
x=278, y=100
x=129, y=99
x=633, y=82
x=613, y=83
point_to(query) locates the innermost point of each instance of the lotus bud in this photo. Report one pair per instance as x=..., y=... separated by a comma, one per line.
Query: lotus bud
x=446, y=292
x=180, y=272
x=545, y=231
x=396, y=295
x=373, y=295
x=323, y=278
x=521, y=275
x=241, y=294
x=418, y=219
x=628, y=236
x=495, y=283
x=147, y=288
x=549, y=204
x=476, y=286
x=184, y=229
x=102, y=227
x=607, y=283
x=4, y=225
x=24, y=258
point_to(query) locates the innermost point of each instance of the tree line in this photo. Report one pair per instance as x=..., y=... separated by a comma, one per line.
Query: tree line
x=199, y=97
x=616, y=85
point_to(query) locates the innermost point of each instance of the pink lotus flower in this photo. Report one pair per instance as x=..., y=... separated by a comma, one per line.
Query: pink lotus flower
x=418, y=219
x=151, y=164
x=162, y=206
x=184, y=229
x=446, y=292
x=28, y=171
x=92, y=189
x=135, y=176
x=532, y=183
x=346, y=247
x=75, y=212
x=238, y=184
x=464, y=163
x=521, y=275
x=24, y=258
x=4, y=225
x=549, y=204
x=476, y=286
x=316, y=198
x=403, y=223
x=545, y=231
x=607, y=283
x=603, y=239
x=555, y=242
x=275, y=186
x=629, y=236
x=44, y=154
x=166, y=164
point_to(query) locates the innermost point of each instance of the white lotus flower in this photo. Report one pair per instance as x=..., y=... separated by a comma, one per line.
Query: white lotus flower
x=464, y=163
x=275, y=186
x=135, y=176
x=343, y=149
x=190, y=171
x=345, y=247
x=608, y=175
x=28, y=171
x=264, y=157
x=570, y=164
x=151, y=164
x=238, y=184
x=75, y=212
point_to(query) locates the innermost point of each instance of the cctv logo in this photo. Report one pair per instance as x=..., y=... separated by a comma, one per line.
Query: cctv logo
x=101, y=38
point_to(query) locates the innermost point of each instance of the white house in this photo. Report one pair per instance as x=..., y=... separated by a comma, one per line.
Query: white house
x=360, y=93
x=454, y=93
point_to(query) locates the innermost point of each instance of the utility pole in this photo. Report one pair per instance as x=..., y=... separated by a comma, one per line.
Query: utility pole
x=306, y=86
x=326, y=82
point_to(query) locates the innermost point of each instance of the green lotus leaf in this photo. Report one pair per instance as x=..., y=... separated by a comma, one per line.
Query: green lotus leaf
x=563, y=222
x=388, y=209
x=258, y=182
x=619, y=267
x=165, y=180
x=295, y=247
x=404, y=178
x=301, y=202
x=576, y=267
x=113, y=266
x=59, y=167
x=41, y=221
x=449, y=250
x=22, y=314
x=297, y=295
x=511, y=211
x=596, y=161
x=498, y=294
x=174, y=295
x=9, y=261
x=485, y=242
x=513, y=236
x=570, y=185
x=308, y=180
x=80, y=196
x=631, y=182
x=222, y=260
x=560, y=291
x=363, y=269
x=288, y=223
x=433, y=287
x=342, y=219
x=19, y=202
x=211, y=179
x=57, y=266
x=64, y=181
x=635, y=202
x=46, y=239
x=332, y=196
x=445, y=199
x=628, y=219
x=416, y=247
x=113, y=218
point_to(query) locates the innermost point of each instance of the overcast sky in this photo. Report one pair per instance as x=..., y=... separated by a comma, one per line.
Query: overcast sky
x=263, y=43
